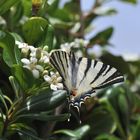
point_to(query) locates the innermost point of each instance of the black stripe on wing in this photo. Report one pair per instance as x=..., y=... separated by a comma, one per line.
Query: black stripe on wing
x=73, y=65
x=57, y=59
x=103, y=68
x=115, y=77
x=88, y=66
x=109, y=83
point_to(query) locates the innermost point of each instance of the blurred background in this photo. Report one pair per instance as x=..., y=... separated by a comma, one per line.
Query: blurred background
x=126, y=22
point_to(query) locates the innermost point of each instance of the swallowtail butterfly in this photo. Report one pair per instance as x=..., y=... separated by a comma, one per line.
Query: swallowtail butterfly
x=82, y=76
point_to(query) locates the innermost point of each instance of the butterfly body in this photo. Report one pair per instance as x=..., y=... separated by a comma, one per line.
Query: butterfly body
x=83, y=76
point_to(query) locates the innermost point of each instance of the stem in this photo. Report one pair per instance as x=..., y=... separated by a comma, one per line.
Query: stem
x=5, y=126
x=48, y=127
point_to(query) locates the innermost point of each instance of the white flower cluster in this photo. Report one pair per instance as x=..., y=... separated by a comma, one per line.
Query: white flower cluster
x=54, y=80
x=77, y=43
x=36, y=59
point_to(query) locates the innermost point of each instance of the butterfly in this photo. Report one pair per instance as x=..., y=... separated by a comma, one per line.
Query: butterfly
x=82, y=76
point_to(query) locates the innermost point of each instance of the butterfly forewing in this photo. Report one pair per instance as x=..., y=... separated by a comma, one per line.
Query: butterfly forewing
x=61, y=62
x=96, y=74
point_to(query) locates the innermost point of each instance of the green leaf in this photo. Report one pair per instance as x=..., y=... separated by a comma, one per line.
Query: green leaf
x=44, y=100
x=6, y=5
x=73, y=7
x=101, y=121
x=119, y=100
x=82, y=131
x=43, y=117
x=102, y=37
x=27, y=6
x=17, y=37
x=23, y=76
x=124, y=111
x=136, y=133
x=34, y=29
x=62, y=15
x=23, y=129
x=57, y=23
x=103, y=11
x=111, y=103
x=17, y=13
x=15, y=86
x=66, y=132
x=77, y=133
x=130, y=1
x=106, y=137
x=3, y=101
x=118, y=62
x=7, y=42
x=48, y=38
x=1, y=122
x=43, y=9
x=53, y=6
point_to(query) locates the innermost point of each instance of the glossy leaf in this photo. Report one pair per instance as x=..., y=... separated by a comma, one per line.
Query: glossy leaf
x=7, y=43
x=17, y=13
x=23, y=76
x=53, y=6
x=44, y=100
x=34, y=29
x=102, y=37
x=101, y=121
x=15, y=86
x=106, y=137
x=118, y=109
x=6, y=5
x=27, y=6
x=23, y=129
x=77, y=133
x=48, y=38
x=43, y=117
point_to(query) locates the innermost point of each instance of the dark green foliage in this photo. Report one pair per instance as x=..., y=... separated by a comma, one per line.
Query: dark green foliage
x=29, y=110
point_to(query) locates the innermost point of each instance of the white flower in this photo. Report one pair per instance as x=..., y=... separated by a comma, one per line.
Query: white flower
x=21, y=45
x=35, y=73
x=32, y=65
x=77, y=43
x=25, y=61
x=33, y=51
x=56, y=86
x=39, y=67
x=44, y=57
x=54, y=80
x=80, y=42
x=66, y=47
